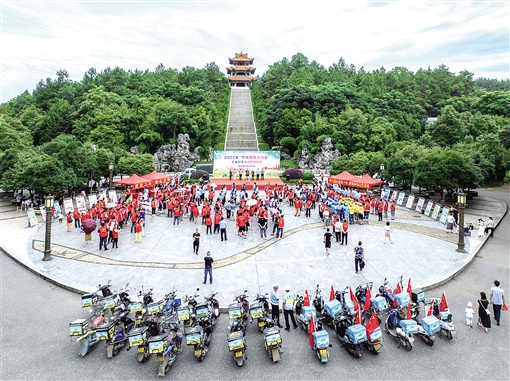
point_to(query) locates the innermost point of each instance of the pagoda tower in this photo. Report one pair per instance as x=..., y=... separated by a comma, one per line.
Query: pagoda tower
x=240, y=72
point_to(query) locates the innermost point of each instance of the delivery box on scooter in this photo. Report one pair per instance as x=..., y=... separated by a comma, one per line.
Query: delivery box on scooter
x=154, y=308
x=320, y=339
x=418, y=295
x=409, y=326
x=379, y=303
x=402, y=299
x=137, y=336
x=110, y=302
x=308, y=312
x=158, y=344
x=202, y=310
x=376, y=335
x=256, y=310
x=235, y=310
x=79, y=327
x=135, y=307
x=235, y=341
x=272, y=336
x=105, y=331
x=333, y=307
x=193, y=335
x=88, y=300
x=431, y=324
x=183, y=313
x=349, y=306
x=357, y=333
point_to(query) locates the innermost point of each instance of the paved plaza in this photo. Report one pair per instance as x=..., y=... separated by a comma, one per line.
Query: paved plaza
x=422, y=250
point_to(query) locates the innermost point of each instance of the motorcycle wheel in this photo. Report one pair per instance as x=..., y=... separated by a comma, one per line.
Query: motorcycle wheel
x=429, y=341
x=408, y=345
x=449, y=335
x=201, y=357
x=240, y=361
x=115, y=352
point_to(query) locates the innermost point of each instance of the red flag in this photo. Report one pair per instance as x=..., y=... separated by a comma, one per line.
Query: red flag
x=368, y=296
x=332, y=293
x=408, y=314
x=359, y=318
x=372, y=324
x=431, y=309
x=311, y=329
x=504, y=308
x=306, y=299
x=394, y=302
x=353, y=299
x=444, y=303
x=398, y=289
x=409, y=289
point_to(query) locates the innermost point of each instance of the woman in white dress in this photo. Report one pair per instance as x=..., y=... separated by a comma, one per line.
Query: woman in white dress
x=481, y=228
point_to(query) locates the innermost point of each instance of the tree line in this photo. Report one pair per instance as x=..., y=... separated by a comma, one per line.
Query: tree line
x=431, y=128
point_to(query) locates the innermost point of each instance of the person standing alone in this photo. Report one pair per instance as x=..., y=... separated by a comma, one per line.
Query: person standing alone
x=327, y=242
x=359, y=255
x=345, y=230
x=288, y=308
x=196, y=241
x=208, y=260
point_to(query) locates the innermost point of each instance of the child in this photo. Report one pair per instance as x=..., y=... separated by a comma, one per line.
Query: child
x=469, y=314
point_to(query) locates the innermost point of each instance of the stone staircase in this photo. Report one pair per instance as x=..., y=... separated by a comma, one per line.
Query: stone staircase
x=241, y=133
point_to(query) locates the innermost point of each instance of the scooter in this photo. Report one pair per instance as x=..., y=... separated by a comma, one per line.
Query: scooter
x=172, y=302
x=260, y=311
x=139, y=337
x=214, y=305
x=273, y=342
x=186, y=313
x=401, y=299
x=237, y=345
x=349, y=334
x=445, y=319
x=116, y=335
x=321, y=342
x=200, y=335
x=403, y=335
x=318, y=301
x=165, y=346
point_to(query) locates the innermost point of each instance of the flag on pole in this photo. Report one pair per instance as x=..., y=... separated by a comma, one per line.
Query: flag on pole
x=332, y=293
x=431, y=309
x=368, y=296
x=409, y=289
x=306, y=299
x=372, y=324
x=408, y=314
x=311, y=330
x=354, y=300
x=398, y=289
x=359, y=318
x=444, y=303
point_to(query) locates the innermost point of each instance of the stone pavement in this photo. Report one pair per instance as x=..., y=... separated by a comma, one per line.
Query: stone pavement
x=422, y=250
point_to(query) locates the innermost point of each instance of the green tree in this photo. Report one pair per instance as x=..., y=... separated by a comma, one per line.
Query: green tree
x=448, y=129
x=139, y=164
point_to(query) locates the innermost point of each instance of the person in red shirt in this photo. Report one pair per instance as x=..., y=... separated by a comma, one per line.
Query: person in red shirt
x=345, y=230
x=77, y=216
x=208, y=224
x=281, y=224
x=69, y=221
x=308, y=206
x=103, y=236
x=393, y=208
x=380, y=208
x=241, y=224
x=177, y=214
x=298, y=204
x=195, y=214
x=385, y=209
x=217, y=219
x=134, y=218
x=115, y=237
x=138, y=231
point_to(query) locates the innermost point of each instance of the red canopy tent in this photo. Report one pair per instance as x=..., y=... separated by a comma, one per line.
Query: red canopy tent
x=135, y=182
x=349, y=180
x=157, y=178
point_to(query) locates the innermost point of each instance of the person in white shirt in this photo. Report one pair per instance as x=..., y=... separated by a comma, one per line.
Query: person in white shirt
x=497, y=300
x=469, y=314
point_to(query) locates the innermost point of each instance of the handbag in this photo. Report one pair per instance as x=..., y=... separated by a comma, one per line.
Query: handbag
x=487, y=311
x=504, y=308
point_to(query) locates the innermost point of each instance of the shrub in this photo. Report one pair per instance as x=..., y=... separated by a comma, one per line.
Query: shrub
x=293, y=173
x=264, y=147
x=199, y=173
x=288, y=164
x=308, y=176
x=288, y=144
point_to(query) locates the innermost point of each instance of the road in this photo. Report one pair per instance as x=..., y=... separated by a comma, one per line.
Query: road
x=35, y=317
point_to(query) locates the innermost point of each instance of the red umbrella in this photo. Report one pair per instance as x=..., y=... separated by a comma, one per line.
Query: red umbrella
x=88, y=226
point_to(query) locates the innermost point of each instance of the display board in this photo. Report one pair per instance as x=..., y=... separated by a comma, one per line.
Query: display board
x=267, y=162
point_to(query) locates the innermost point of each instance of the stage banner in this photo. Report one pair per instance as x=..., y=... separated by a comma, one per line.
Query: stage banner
x=267, y=162
x=80, y=204
x=428, y=209
x=112, y=195
x=435, y=213
x=68, y=205
x=32, y=218
x=410, y=201
x=42, y=208
x=394, y=195
x=419, y=205
x=102, y=196
x=92, y=200
x=444, y=214
x=400, y=199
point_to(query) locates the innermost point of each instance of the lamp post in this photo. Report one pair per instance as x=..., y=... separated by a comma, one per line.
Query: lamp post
x=381, y=168
x=48, y=204
x=110, y=169
x=461, y=201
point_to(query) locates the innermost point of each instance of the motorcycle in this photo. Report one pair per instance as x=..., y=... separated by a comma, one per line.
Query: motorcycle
x=200, y=334
x=399, y=300
x=260, y=311
x=115, y=333
x=237, y=345
x=165, y=346
x=186, y=313
x=139, y=337
x=404, y=334
x=273, y=342
x=238, y=313
x=349, y=334
x=139, y=309
x=214, y=305
x=172, y=302
x=318, y=301
x=84, y=331
x=304, y=317
x=321, y=343
x=445, y=318
x=331, y=309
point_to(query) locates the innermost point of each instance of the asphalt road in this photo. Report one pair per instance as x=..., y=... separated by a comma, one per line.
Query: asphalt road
x=35, y=344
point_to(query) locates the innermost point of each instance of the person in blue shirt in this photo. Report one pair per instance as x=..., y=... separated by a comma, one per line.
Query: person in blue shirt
x=275, y=300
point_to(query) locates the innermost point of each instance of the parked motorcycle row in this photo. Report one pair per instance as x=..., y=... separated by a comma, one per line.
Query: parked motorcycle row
x=159, y=327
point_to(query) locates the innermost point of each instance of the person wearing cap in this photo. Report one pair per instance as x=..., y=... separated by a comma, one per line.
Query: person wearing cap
x=275, y=301
x=288, y=308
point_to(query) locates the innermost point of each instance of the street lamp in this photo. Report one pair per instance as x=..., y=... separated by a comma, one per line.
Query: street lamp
x=381, y=168
x=48, y=204
x=110, y=169
x=461, y=201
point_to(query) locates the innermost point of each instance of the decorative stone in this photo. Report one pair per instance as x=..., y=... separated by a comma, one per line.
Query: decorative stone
x=322, y=160
x=176, y=157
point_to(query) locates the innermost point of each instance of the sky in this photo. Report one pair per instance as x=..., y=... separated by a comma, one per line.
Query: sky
x=37, y=38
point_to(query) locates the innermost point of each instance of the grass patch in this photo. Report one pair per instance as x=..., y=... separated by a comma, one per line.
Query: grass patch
x=288, y=164
x=492, y=184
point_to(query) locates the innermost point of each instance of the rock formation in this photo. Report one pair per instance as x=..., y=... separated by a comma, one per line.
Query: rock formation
x=176, y=157
x=322, y=159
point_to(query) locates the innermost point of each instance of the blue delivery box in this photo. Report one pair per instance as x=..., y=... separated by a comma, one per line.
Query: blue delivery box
x=357, y=333
x=333, y=307
x=431, y=324
x=403, y=299
x=409, y=326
